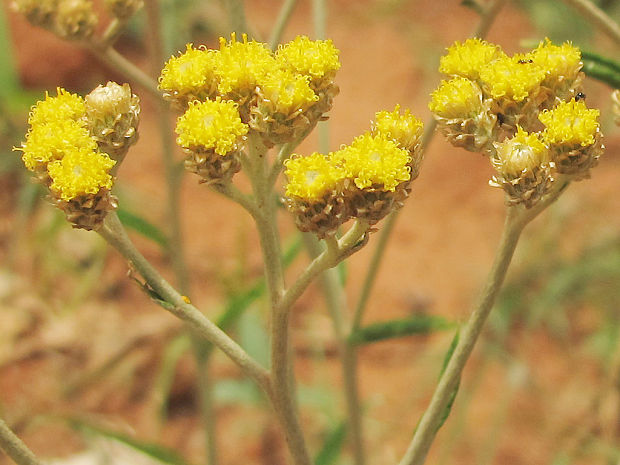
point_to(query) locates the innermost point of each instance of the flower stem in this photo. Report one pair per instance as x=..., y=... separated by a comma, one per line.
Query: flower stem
x=282, y=20
x=15, y=447
x=601, y=20
x=516, y=219
x=114, y=233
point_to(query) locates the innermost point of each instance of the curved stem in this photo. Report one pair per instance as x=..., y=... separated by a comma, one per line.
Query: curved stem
x=516, y=219
x=15, y=447
x=598, y=17
x=114, y=233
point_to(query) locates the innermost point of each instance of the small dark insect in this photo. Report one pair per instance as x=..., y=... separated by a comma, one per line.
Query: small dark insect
x=500, y=118
x=523, y=61
x=580, y=96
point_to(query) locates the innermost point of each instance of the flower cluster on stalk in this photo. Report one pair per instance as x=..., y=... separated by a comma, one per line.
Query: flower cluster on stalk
x=526, y=112
x=74, y=145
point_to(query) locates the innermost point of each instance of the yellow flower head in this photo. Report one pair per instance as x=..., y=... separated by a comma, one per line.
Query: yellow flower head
x=456, y=98
x=315, y=58
x=311, y=177
x=214, y=124
x=404, y=129
x=560, y=62
x=242, y=64
x=570, y=123
x=467, y=59
x=512, y=77
x=190, y=72
x=375, y=162
x=288, y=91
x=47, y=142
x=64, y=106
x=521, y=152
x=80, y=172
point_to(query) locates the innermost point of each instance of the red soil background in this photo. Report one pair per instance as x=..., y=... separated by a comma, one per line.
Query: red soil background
x=438, y=257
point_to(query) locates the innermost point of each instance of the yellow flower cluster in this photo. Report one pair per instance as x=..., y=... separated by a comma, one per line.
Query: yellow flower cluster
x=366, y=179
x=61, y=150
x=495, y=104
x=211, y=125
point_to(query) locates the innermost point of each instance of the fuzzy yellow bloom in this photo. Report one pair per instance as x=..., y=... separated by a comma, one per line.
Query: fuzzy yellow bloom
x=404, y=129
x=61, y=107
x=512, y=77
x=524, y=151
x=190, y=72
x=314, y=58
x=311, y=177
x=80, y=172
x=287, y=91
x=570, y=123
x=456, y=98
x=560, y=62
x=468, y=58
x=50, y=141
x=374, y=162
x=214, y=124
x=242, y=64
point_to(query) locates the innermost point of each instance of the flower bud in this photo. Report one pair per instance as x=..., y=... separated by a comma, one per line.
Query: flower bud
x=75, y=20
x=123, y=9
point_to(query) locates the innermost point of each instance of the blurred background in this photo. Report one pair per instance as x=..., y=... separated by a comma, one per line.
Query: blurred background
x=88, y=362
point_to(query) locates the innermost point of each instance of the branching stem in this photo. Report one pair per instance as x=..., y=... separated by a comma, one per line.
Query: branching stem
x=15, y=447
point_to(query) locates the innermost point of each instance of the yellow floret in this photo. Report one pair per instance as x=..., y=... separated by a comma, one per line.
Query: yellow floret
x=514, y=78
x=64, y=106
x=521, y=152
x=570, y=123
x=456, y=98
x=80, y=172
x=404, y=129
x=190, y=72
x=242, y=64
x=559, y=62
x=374, y=161
x=311, y=177
x=46, y=142
x=467, y=59
x=315, y=58
x=288, y=92
x=214, y=124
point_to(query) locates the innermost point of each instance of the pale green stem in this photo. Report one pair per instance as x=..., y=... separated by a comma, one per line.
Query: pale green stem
x=601, y=20
x=236, y=15
x=233, y=193
x=15, y=447
x=281, y=21
x=516, y=219
x=114, y=233
x=276, y=168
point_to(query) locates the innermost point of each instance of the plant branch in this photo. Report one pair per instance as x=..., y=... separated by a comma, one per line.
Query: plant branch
x=114, y=233
x=15, y=447
x=598, y=17
x=282, y=20
x=516, y=219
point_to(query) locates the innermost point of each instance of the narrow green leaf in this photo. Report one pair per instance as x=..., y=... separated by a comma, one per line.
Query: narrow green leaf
x=601, y=60
x=602, y=73
x=172, y=353
x=447, y=357
x=143, y=227
x=332, y=447
x=150, y=449
x=419, y=324
x=236, y=392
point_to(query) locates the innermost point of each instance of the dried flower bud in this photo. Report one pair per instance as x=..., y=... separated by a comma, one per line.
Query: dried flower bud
x=112, y=116
x=39, y=13
x=75, y=20
x=123, y=9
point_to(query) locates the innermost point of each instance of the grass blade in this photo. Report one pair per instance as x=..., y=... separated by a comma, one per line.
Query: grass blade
x=332, y=447
x=419, y=324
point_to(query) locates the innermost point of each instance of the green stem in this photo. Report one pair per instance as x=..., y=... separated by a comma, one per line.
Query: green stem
x=114, y=233
x=15, y=447
x=597, y=17
x=236, y=15
x=516, y=219
x=282, y=20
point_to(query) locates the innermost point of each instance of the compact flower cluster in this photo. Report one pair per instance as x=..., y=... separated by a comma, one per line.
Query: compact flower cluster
x=74, y=145
x=72, y=19
x=367, y=179
x=526, y=112
x=243, y=88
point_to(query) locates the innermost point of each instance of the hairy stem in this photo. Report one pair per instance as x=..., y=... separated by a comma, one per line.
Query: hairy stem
x=15, y=447
x=114, y=233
